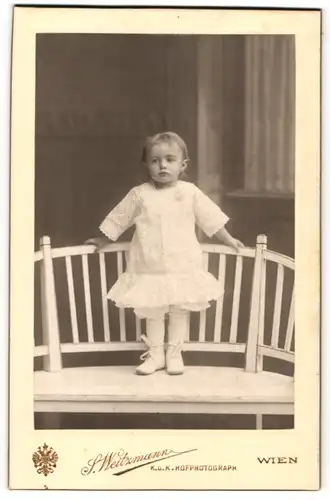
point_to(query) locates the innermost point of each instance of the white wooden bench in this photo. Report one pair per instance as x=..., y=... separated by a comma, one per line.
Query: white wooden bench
x=201, y=389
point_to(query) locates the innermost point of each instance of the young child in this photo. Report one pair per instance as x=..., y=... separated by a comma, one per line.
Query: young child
x=165, y=273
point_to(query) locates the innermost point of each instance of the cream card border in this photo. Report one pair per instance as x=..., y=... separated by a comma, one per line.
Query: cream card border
x=239, y=448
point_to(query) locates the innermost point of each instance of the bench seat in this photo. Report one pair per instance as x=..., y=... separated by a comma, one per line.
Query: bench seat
x=117, y=389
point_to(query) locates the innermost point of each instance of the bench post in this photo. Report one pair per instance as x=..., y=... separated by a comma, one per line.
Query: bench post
x=262, y=306
x=255, y=314
x=50, y=331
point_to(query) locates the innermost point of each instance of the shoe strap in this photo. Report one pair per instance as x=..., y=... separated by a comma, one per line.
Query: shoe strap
x=149, y=353
x=176, y=347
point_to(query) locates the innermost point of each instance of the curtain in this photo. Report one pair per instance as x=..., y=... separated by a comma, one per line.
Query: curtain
x=269, y=114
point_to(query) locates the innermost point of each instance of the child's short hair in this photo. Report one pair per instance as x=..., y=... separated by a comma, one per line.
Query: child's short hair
x=164, y=137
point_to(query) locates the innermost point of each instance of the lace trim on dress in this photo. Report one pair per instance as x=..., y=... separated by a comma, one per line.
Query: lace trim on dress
x=110, y=229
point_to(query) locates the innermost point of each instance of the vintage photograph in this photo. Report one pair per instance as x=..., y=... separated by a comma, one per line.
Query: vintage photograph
x=164, y=231
x=164, y=261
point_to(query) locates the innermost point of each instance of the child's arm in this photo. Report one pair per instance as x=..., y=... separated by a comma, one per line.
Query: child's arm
x=210, y=218
x=227, y=239
x=117, y=221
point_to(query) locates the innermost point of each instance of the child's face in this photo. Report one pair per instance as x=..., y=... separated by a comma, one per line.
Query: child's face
x=165, y=162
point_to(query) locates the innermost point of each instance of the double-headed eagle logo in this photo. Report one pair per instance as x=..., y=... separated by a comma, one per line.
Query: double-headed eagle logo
x=45, y=459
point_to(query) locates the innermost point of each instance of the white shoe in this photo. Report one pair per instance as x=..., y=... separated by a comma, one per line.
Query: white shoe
x=174, y=361
x=154, y=358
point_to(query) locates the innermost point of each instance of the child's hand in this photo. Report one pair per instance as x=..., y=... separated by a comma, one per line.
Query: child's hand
x=99, y=243
x=228, y=240
x=235, y=244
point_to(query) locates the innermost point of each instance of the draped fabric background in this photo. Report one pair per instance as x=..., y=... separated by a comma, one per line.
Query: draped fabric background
x=269, y=96
x=246, y=131
x=98, y=97
x=230, y=97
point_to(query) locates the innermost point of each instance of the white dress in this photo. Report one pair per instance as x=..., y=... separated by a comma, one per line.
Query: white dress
x=164, y=265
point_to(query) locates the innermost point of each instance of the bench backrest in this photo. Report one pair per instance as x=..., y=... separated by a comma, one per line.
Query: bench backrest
x=78, y=278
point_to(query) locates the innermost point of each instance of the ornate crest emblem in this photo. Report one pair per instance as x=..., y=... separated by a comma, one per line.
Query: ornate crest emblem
x=45, y=459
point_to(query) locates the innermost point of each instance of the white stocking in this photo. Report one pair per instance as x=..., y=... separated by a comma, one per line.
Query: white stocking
x=178, y=325
x=155, y=331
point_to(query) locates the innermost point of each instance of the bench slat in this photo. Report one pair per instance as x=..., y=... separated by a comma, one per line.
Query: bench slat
x=105, y=312
x=122, y=325
x=277, y=306
x=202, y=316
x=87, y=295
x=219, y=306
x=138, y=328
x=280, y=259
x=72, y=300
x=289, y=331
x=140, y=346
x=261, y=326
x=266, y=350
x=236, y=300
x=187, y=336
x=40, y=350
x=262, y=302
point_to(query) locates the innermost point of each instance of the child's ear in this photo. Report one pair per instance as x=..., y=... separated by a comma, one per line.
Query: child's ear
x=184, y=165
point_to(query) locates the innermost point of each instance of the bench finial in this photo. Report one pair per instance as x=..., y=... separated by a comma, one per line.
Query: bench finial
x=44, y=240
x=261, y=239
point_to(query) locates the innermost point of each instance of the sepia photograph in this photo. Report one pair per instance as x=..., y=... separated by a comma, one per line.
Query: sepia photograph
x=164, y=249
x=164, y=231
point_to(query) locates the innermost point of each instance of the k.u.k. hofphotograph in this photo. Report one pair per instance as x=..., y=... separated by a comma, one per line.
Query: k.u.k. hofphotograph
x=164, y=231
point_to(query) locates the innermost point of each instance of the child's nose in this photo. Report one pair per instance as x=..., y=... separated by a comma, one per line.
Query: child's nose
x=163, y=163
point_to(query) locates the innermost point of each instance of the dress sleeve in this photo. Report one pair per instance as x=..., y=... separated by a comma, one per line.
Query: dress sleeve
x=121, y=217
x=209, y=217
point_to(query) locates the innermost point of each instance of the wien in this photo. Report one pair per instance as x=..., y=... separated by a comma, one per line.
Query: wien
x=278, y=460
